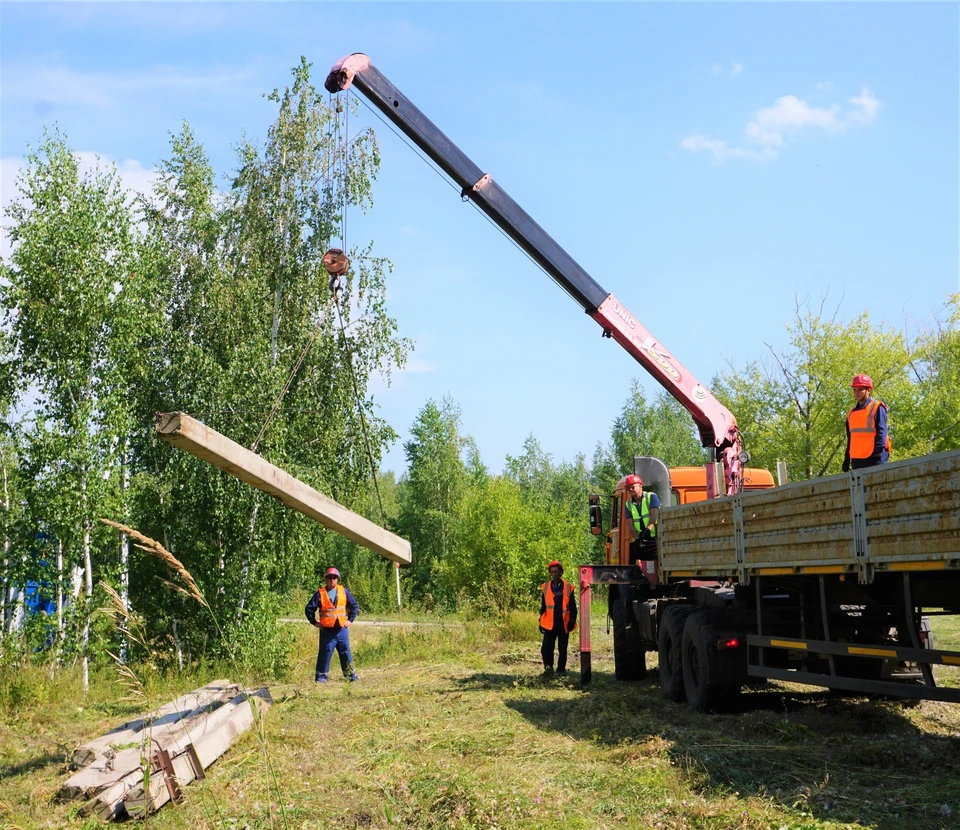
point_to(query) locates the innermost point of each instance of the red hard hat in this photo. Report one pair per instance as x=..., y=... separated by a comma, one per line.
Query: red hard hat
x=555, y=564
x=862, y=381
x=629, y=481
x=332, y=572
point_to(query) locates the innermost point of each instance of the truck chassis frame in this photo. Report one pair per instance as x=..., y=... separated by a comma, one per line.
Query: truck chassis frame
x=786, y=628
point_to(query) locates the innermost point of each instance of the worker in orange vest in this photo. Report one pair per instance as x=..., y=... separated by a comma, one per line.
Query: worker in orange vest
x=558, y=617
x=868, y=442
x=332, y=609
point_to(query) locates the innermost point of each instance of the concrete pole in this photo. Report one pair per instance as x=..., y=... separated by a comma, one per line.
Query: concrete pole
x=198, y=439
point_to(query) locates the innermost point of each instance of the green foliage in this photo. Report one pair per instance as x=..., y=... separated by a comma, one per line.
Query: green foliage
x=261, y=644
x=23, y=685
x=794, y=409
x=213, y=303
x=253, y=330
x=435, y=483
x=73, y=295
x=935, y=427
x=482, y=542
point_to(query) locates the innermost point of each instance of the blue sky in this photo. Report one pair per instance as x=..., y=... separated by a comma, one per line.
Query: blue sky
x=705, y=162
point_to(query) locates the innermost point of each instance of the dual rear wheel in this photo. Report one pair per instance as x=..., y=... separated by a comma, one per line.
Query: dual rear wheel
x=689, y=659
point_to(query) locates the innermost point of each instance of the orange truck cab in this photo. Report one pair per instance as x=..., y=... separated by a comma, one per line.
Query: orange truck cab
x=678, y=485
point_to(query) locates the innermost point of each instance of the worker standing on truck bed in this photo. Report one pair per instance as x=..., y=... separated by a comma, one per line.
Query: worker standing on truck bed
x=868, y=441
x=643, y=510
x=558, y=617
x=338, y=609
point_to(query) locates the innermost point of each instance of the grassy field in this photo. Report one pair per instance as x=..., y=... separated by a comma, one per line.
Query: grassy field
x=454, y=727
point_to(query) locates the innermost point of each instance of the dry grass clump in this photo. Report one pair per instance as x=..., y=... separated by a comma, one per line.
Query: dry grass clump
x=154, y=547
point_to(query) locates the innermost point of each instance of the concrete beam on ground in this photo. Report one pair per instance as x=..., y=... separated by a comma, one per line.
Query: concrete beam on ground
x=198, y=439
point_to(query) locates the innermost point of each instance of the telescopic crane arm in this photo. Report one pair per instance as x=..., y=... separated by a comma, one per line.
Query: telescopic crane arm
x=717, y=426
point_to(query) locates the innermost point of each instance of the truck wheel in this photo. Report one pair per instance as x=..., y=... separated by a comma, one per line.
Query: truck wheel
x=670, y=642
x=628, y=662
x=697, y=670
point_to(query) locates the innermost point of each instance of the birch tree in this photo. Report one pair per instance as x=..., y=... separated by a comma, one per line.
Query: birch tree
x=71, y=292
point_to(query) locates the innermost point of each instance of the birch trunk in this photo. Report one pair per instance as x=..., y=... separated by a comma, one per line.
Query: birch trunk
x=88, y=592
x=124, y=550
x=6, y=549
x=60, y=578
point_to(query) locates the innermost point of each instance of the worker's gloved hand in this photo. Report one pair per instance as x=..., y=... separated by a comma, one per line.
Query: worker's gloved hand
x=846, y=466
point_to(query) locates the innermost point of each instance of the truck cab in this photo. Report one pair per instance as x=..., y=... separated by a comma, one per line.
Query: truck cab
x=673, y=486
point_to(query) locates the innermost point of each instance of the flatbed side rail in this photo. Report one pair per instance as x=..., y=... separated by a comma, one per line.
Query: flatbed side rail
x=893, y=518
x=922, y=656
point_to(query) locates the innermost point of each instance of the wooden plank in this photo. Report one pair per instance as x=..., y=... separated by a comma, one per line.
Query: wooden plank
x=196, y=438
x=172, y=711
x=209, y=746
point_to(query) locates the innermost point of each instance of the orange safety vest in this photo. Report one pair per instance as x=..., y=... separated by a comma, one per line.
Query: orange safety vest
x=546, y=619
x=863, y=430
x=331, y=614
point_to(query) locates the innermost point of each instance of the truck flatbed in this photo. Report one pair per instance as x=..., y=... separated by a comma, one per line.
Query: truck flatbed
x=902, y=517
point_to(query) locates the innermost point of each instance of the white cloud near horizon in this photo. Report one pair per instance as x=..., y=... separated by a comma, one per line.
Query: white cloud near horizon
x=770, y=127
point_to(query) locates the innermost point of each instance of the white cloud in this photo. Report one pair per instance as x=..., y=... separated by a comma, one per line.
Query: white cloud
x=770, y=127
x=865, y=107
x=698, y=143
x=381, y=381
x=789, y=113
x=134, y=177
x=724, y=71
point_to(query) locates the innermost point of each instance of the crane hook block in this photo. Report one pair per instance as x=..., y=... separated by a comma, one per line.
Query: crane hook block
x=335, y=262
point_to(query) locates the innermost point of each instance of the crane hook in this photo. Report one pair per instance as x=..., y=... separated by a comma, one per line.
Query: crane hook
x=335, y=263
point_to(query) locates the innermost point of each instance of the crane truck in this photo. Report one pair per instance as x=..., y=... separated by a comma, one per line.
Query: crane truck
x=829, y=582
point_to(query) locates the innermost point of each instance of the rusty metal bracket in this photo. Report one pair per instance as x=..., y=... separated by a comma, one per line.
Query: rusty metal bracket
x=194, y=759
x=162, y=763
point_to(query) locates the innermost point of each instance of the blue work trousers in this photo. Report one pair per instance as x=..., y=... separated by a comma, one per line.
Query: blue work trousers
x=330, y=639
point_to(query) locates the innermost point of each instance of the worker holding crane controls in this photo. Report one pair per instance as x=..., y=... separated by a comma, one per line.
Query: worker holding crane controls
x=868, y=440
x=644, y=510
x=337, y=610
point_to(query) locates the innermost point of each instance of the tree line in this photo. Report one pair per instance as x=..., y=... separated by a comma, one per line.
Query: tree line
x=207, y=300
x=214, y=301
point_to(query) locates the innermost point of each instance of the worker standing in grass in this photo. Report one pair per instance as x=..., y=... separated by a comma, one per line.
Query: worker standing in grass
x=868, y=441
x=558, y=617
x=337, y=610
